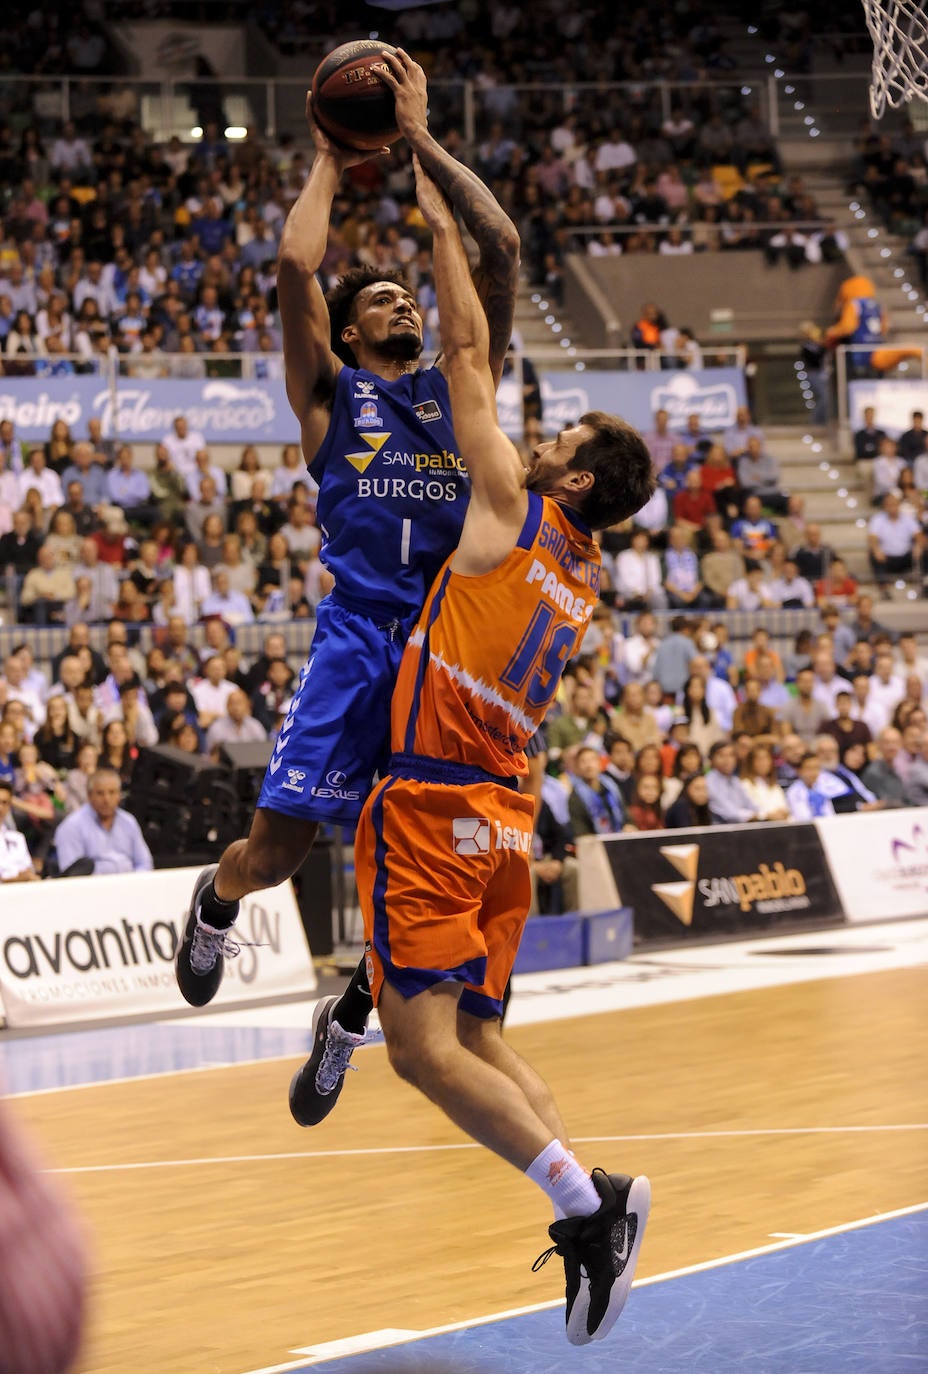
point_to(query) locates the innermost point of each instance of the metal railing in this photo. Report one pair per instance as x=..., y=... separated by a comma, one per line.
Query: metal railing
x=275, y=105
x=259, y=367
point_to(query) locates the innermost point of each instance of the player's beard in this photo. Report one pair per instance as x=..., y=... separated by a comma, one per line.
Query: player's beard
x=540, y=479
x=403, y=346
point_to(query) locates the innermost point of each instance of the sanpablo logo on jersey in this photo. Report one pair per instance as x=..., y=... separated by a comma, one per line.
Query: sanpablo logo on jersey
x=422, y=462
x=362, y=461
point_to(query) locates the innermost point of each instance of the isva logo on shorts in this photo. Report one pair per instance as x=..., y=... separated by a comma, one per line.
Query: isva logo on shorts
x=471, y=834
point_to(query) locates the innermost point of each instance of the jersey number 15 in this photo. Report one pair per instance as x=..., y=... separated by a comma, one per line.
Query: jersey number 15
x=540, y=657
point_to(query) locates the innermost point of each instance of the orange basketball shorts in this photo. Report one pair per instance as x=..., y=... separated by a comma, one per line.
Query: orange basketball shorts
x=444, y=883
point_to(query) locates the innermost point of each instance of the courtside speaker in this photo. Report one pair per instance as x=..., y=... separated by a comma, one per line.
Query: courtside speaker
x=249, y=764
x=254, y=754
x=166, y=772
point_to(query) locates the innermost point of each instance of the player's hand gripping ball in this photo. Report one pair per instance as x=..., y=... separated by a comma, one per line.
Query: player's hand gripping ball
x=351, y=105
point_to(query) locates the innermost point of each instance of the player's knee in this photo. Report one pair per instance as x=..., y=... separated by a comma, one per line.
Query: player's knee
x=418, y=1065
x=480, y=1037
x=402, y=1061
x=270, y=866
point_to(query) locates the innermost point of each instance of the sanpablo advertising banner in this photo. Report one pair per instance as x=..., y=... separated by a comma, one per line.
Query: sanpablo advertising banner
x=722, y=880
x=91, y=948
x=879, y=862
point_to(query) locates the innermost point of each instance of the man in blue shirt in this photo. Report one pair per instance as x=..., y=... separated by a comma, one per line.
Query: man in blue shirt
x=753, y=531
x=188, y=269
x=728, y=798
x=102, y=832
x=91, y=475
x=673, y=478
x=125, y=485
x=210, y=228
x=682, y=582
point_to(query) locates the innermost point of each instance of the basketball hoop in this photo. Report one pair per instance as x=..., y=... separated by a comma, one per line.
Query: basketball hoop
x=899, y=29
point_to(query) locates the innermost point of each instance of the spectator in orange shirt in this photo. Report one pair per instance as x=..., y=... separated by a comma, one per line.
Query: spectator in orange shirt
x=760, y=644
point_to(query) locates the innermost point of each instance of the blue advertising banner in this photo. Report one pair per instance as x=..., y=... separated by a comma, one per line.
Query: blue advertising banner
x=712, y=395
x=235, y=411
x=224, y=410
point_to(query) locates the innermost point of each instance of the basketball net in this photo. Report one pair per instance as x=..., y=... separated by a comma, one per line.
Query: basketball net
x=899, y=29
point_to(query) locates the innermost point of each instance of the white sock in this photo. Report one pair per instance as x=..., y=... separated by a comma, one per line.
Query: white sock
x=566, y=1183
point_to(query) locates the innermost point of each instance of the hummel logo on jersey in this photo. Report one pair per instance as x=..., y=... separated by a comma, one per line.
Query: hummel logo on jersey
x=362, y=461
x=294, y=777
x=365, y=389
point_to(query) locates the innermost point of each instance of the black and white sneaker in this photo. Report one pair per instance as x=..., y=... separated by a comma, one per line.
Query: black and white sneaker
x=315, y=1088
x=200, y=960
x=600, y=1253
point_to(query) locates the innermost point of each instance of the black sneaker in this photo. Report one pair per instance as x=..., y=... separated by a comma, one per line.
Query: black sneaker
x=600, y=1253
x=200, y=960
x=314, y=1088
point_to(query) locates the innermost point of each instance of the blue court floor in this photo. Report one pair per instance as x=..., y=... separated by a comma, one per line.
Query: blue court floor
x=852, y=1303
x=45, y=1063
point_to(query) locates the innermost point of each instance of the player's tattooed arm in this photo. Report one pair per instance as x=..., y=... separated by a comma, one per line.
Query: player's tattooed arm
x=496, y=274
x=310, y=365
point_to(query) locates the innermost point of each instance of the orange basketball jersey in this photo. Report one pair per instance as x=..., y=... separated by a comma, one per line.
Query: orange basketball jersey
x=484, y=660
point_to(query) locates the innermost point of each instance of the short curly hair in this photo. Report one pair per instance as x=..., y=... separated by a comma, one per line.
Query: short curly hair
x=341, y=299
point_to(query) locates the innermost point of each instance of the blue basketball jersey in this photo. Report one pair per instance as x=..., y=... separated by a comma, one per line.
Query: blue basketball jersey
x=392, y=488
x=869, y=329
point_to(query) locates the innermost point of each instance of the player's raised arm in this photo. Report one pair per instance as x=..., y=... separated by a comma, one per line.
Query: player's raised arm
x=496, y=274
x=498, y=499
x=311, y=366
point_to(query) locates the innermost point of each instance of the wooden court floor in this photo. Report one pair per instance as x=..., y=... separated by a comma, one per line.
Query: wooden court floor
x=239, y=1237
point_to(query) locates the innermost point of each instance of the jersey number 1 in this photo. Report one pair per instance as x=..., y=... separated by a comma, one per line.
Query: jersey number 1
x=542, y=653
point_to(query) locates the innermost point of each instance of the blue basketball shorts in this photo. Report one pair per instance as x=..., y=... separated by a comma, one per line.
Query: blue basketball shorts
x=335, y=738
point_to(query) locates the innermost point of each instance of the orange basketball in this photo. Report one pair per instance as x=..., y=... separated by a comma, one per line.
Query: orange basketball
x=351, y=104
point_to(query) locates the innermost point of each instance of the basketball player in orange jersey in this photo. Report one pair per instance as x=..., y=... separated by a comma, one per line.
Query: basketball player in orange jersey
x=443, y=844
x=43, y=1271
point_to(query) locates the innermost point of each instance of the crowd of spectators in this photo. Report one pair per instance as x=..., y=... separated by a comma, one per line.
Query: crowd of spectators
x=657, y=733
x=111, y=242
x=891, y=170
x=897, y=471
x=648, y=731
x=86, y=535
x=721, y=531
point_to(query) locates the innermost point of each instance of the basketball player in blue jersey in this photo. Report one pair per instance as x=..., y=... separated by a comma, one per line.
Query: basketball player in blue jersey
x=378, y=438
